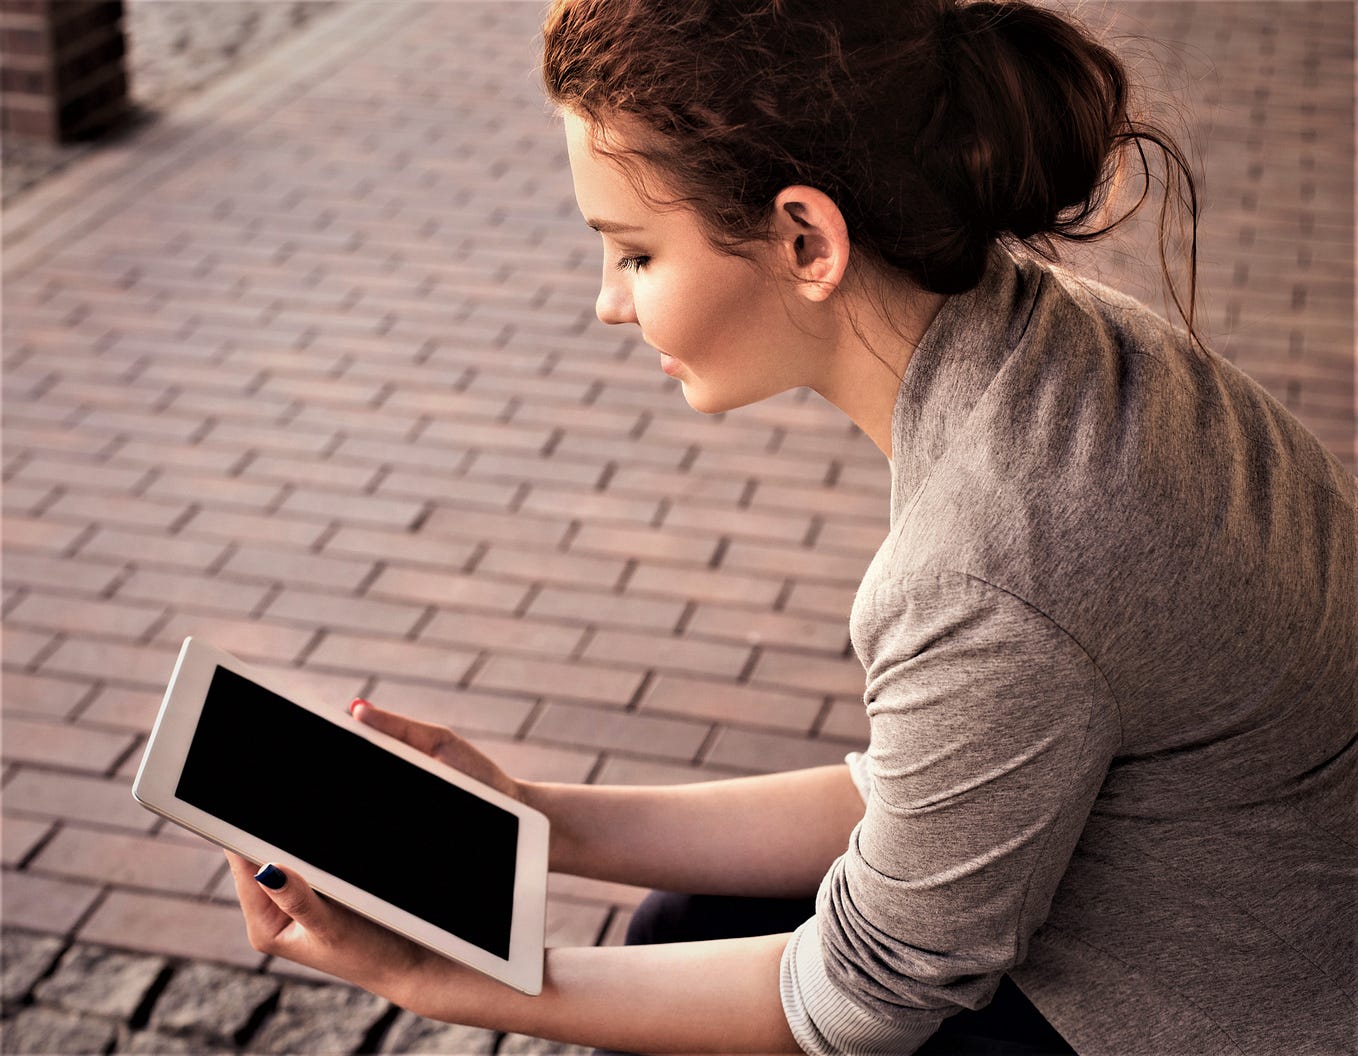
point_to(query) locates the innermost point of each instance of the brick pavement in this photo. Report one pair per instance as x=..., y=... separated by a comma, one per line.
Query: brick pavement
x=310, y=368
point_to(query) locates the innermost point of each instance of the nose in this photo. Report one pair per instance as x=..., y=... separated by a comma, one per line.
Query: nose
x=614, y=303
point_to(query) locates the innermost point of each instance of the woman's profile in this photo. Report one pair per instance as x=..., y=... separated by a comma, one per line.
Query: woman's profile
x=1110, y=640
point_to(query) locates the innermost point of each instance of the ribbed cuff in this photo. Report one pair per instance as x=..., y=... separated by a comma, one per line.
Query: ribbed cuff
x=824, y=1021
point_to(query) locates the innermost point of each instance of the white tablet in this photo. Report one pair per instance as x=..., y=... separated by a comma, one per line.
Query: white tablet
x=369, y=821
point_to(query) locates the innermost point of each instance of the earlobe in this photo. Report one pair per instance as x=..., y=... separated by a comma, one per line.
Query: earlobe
x=811, y=228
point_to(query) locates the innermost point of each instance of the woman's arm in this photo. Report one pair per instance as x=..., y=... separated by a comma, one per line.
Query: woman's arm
x=685, y=997
x=774, y=835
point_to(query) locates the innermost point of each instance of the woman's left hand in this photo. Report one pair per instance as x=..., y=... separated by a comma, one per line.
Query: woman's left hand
x=294, y=922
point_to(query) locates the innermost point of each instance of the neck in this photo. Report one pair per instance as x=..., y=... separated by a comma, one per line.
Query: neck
x=874, y=337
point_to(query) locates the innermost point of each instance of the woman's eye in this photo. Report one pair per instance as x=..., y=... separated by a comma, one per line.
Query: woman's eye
x=633, y=263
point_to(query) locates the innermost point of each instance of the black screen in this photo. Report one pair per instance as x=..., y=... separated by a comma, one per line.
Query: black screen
x=334, y=799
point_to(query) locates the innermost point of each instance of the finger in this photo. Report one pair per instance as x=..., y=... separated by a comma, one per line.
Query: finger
x=263, y=919
x=427, y=737
x=295, y=899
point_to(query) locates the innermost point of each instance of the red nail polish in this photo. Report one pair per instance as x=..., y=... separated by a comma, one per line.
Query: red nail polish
x=356, y=703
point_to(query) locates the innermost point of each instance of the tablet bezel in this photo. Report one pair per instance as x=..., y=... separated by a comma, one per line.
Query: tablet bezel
x=163, y=762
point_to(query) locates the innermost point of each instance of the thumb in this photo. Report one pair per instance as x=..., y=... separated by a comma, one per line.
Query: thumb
x=294, y=896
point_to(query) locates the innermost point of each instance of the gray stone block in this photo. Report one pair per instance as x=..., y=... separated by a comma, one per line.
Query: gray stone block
x=153, y=1043
x=211, y=999
x=48, y=1031
x=415, y=1034
x=523, y=1045
x=25, y=960
x=105, y=982
x=319, y=1019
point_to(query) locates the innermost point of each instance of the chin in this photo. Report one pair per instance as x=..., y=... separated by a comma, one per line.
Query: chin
x=709, y=403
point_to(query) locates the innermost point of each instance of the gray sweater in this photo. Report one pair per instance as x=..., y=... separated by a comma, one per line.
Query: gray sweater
x=1111, y=646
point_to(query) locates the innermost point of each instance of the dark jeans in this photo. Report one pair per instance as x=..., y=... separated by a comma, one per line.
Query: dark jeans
x=1008, y=1026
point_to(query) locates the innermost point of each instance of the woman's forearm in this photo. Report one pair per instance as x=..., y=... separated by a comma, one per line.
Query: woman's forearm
x=774, y=835
x=691, y=997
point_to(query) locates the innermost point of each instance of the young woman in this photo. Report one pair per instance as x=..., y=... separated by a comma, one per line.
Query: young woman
x=1109, y=641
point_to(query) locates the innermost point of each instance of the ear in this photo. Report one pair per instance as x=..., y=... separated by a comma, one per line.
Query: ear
x=813, y=239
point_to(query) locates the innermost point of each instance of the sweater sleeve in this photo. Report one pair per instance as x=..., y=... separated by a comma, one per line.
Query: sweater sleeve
x=991, y=734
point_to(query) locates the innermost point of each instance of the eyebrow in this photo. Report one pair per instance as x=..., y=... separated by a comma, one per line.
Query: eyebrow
x=609, y=227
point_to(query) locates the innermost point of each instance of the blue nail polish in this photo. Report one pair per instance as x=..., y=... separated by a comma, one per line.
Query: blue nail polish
x=271, y=877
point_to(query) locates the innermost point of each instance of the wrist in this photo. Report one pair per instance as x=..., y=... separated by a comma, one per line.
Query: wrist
x=561, y=846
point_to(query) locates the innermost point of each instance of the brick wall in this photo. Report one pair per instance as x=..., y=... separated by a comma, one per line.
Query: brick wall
x=62, y=69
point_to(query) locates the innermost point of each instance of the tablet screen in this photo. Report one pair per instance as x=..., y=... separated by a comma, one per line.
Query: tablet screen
x=335, y=799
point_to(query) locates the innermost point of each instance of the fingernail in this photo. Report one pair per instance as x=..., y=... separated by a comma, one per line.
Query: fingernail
x=356, y=703
x=271, y=877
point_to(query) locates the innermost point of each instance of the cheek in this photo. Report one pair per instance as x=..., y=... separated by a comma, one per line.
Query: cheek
x=712, y=312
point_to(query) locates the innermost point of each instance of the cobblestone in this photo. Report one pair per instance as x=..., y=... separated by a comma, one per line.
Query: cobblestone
x=211, y=999
x=26, y=959
x=410, y=1033
x=322, y=1018
x=100, y=981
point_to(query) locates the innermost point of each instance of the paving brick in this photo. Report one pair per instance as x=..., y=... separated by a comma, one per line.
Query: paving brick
x=249, y=639
x=833, y=677
x=606, y=609
x=83, y=474
x=60, y=744
x=847, y=720
x=284, y=566
x=82, y=509
x=44, y=903
x=802, y=562
x=514, y=529
x=447, y=589
x=40, y=534
x=364, y=509
x=18, y=836
x=831, y=601
x=340, y=611
x=550, y=678
x=23, y=647
x=79, y=576
x=153, y=549
x=701, y=585
x=769, y=628
x=719, y=701
x=196, y=593
x=621, y=731
x=171, y=926
x=126, y=859
x=562, y=569
x=504, y=633
x=112, y=661
x=682, y=547
x=114, y=619
x=668, y=652
x=46, y=794
x=377, y=656
x=760, y=752
x=266, y=528
x=401, y=547
x=591, y=505
x=40, y=696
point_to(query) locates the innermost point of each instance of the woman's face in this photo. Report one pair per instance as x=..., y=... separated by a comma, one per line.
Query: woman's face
x=722, y=324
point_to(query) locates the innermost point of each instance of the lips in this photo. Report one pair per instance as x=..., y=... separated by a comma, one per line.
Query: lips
x=669, y=364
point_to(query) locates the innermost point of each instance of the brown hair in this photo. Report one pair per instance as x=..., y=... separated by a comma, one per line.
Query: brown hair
x=938, y=128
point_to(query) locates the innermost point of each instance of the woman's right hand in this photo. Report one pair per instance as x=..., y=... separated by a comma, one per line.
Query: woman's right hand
x=441, y=743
